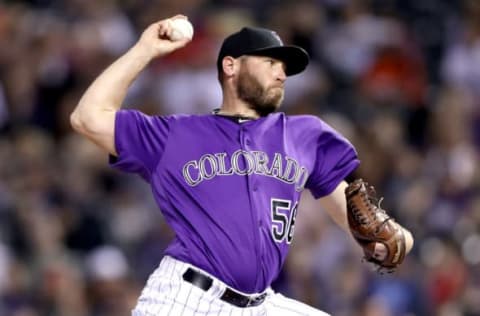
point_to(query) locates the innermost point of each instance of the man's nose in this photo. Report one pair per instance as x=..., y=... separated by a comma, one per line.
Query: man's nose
x=281, y=76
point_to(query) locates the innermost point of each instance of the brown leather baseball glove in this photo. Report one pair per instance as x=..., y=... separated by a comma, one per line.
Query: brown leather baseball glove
x=370, y=224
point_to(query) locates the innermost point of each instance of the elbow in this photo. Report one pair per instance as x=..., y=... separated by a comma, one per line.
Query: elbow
x=82, y=122
x=76, y=122
x=92, y=123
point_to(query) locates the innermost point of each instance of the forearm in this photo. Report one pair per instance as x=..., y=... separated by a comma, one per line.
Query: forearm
x=109, y=89
x=335, y=205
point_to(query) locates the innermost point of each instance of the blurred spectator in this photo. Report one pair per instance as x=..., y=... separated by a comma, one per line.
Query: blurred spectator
x=109, y=287
x=3, y=108
x=461, y=67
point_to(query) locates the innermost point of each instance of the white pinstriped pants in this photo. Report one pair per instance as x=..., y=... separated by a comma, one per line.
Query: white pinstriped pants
x=166, y=293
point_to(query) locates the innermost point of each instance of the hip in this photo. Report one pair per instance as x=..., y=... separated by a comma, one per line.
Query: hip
x=179, y=288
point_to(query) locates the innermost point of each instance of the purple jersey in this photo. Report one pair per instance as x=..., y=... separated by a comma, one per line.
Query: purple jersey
x=230, y=189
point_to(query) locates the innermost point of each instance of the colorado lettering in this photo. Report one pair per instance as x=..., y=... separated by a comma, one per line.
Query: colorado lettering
x=242, y=162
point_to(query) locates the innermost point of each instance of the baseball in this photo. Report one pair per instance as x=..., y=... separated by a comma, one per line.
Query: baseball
x=181, y=29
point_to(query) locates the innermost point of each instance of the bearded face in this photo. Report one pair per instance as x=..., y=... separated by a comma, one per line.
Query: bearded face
x=262, y=98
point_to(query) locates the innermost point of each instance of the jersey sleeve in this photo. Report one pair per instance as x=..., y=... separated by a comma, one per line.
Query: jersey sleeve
x=139, y=141
x=335, y=159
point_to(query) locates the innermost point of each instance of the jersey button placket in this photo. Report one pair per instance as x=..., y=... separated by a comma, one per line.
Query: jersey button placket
x=247, y=146
x=245, y=142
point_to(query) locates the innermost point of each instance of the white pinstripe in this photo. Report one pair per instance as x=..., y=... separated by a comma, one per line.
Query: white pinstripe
x=166, y=293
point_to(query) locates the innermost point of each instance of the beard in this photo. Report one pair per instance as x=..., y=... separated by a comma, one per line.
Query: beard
x=260, y=99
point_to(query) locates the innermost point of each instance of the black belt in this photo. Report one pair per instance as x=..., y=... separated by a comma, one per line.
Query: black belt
x=230, y=296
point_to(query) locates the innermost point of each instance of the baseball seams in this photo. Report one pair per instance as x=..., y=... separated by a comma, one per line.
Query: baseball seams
x=166, y=293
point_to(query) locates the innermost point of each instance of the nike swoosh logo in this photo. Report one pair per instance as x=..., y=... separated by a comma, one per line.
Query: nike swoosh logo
x=240, y=120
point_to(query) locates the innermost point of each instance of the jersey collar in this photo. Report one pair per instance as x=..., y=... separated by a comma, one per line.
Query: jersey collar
x=236, y=118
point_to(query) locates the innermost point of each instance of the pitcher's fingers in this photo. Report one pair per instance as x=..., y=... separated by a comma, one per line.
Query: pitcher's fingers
x=380, y=252
x=164, y=29
x=179, y=16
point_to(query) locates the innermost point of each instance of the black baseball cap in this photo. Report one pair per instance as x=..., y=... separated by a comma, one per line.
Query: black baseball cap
x=263, y=42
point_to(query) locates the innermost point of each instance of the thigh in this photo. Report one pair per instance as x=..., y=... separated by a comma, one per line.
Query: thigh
x=278, y=304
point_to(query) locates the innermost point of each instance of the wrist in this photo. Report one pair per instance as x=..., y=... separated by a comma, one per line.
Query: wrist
x=142, y=52
x=408, y=240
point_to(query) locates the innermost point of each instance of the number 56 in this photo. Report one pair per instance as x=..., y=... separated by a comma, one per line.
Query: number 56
x=282, y=224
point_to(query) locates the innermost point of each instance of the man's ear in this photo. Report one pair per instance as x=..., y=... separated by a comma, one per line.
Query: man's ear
x=229, y=66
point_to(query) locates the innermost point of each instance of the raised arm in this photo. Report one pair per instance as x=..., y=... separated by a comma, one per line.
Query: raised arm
x=94, y=116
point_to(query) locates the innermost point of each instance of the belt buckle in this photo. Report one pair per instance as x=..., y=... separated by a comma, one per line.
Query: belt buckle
x=252, y=300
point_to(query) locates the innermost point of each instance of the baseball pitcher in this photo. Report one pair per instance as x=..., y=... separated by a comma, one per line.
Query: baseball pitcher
x=229, y=182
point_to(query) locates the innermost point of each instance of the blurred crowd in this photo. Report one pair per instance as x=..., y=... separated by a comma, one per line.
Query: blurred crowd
x=399, y=78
